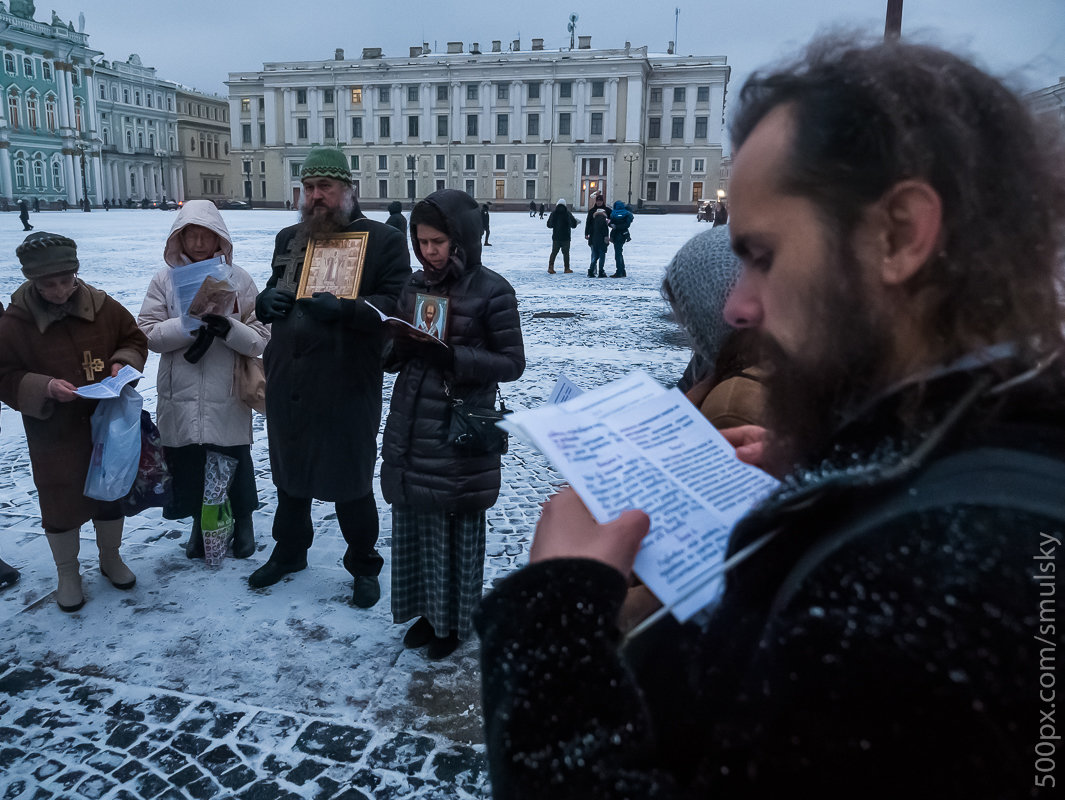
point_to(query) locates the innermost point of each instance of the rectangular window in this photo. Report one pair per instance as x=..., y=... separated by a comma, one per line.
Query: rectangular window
x=411, y=189
x=674, y=191
x=597, y=124
x=356, y=95
x=652, y=165
x=700, y=127
x=354, y=163
x=301, y=97
x=329, y=124
x=440, y=162
x=471, y=91
x=412, y=94
x=382, y=188
x=382, y=162
x=656, y=95
x=262, y=189
x=702, y=94
x=530, y=190
x=262, y=134
x=356, y=127
x=327, y=97
x=301, y=128
x=652, y=191
x=654, y=127
x=262, y=167
x=565, y=89
x=697, y=191
x=441, y=93
x=247, y=189
x=384, y=94
x=699, y=165
x=245, y=133
x=471, y=124
x=356, y=186
x=384, y=127
x=502, y=125
x=678, y=94
x=470, y=188
x=674, y=165
x=563, y=124
x=469, y=161
x=534, y=90
x=502, y=91
x=530, y=161
x=533, y=126
x=501, y=189
x=245, y=104
x=296, y=166
x=440, y=185
x=412, y=127
x=501, y=161
x=676, y=131
x=597, y=88
x=441, y=126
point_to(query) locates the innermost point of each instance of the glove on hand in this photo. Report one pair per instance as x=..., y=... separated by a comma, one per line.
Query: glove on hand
x=323, y=306
x=217, y=325
x=198, y=348
x=277, y=303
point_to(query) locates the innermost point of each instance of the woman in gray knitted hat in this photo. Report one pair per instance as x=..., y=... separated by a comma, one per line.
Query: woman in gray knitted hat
x=58, y=334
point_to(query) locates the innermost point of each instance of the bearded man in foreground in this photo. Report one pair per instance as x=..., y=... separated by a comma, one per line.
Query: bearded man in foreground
x=324, y=379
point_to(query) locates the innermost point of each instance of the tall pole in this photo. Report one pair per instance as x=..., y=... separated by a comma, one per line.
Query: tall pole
x=893, y=21
x=84, y=179
x=676, y=29
x=631, y=158
x=411, y=163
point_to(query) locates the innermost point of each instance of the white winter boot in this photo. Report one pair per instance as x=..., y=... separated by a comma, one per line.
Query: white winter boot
x=65, y=546
x=108, y=539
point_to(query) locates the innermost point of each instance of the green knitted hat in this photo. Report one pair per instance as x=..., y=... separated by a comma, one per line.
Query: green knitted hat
x=326, y=162
x=43, y=254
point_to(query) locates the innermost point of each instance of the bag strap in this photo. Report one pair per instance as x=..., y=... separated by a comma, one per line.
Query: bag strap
x=986, y=476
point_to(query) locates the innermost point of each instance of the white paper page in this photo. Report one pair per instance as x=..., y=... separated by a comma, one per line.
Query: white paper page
x=109, y=387
x=564, y=390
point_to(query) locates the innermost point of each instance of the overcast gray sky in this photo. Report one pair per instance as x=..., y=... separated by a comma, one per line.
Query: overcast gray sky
x=198, y=42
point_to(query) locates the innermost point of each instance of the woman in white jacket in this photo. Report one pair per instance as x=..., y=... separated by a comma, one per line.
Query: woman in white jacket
x=198, y=405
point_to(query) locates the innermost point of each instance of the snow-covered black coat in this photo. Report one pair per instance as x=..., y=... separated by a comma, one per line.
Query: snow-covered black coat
x=905, y=663
x=419, y=467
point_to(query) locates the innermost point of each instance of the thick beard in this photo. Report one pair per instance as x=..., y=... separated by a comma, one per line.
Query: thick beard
x=810, y=396
x=314, y=225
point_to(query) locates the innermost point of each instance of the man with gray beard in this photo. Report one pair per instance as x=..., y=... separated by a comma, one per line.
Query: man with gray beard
x=323, y=379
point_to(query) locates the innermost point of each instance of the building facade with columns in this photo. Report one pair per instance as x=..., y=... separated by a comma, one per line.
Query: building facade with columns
x=138, y=132
x=507, y=126
x=203, y=141
x=1049, y=102
x=49, y=143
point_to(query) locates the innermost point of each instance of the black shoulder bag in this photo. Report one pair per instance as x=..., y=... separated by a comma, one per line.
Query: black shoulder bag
x=473, y=429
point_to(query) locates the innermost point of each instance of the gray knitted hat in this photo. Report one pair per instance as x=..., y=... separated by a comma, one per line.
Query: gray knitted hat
x=699, y=279
x=43, y=254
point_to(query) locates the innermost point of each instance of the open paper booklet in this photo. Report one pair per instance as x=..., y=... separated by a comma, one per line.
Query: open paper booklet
x=404, y=328
x=633, y=444
x=109, y=387
x=202, y=288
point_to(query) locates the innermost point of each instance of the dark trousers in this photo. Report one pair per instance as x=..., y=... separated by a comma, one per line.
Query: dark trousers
x=619, y=259
x=555, y=247
x=359, y=525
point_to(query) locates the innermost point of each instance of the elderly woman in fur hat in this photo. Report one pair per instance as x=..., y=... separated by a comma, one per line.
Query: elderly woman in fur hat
x=58, y=334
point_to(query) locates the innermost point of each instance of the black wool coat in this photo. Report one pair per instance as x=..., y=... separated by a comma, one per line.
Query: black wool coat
x=419, y=468
x=561, y=222
x=324, y=379
x=905, y=663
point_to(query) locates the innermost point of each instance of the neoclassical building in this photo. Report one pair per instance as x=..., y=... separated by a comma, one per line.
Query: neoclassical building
x=138, y=132
x=507, y=125
x=49, y=143
x=203, y=141
x=1049, y=102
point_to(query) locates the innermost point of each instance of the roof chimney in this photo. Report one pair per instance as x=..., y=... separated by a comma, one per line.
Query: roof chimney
x=538, y=44
x=516, y=44
x=415, y=51
x=425, y=49
x=670, y=48
x=339, y=54
x=584, y=42
x=371, y=52
x=497, y=46
x=475, y=48
x=454, y=47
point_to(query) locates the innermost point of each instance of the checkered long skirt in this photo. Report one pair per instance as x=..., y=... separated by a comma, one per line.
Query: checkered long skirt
x=437, y=567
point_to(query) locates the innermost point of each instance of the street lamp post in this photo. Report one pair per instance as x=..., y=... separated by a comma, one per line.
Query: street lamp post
x=84, y=178
x=162, y=174
x=412, y=163
x=631, y=158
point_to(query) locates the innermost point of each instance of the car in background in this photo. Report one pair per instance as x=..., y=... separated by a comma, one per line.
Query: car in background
x=166, y=205
x=705, y=213
x=234, y=205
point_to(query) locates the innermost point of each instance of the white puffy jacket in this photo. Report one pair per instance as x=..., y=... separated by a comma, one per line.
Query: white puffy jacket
x=198, y=402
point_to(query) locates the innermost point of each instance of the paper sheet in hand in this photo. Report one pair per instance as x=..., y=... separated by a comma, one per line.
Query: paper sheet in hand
x=632, y=444
x=188, y=279
x=400, y=327
x=109, y=387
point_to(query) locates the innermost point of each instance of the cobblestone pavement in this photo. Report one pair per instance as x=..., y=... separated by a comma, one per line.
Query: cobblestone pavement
x=191, y=685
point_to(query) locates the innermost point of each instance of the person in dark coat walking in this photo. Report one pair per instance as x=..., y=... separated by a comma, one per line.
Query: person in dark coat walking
x=396, y=218
x=532, y=208
x=543, y=208
x=24, y=214
x=561, y=222
x=439, y=492
x=485, y=222
x=892, y=630
x=324, y=379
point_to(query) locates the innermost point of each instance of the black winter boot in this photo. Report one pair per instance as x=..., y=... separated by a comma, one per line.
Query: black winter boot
x=243, y=536
x=194, y=546
x=8, y=575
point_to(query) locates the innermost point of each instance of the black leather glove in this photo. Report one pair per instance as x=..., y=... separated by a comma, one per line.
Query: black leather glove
x=217, y=325
x=274, y=303
x=198, y=348
x=323, y=306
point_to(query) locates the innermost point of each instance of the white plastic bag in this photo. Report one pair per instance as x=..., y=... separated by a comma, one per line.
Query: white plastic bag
x=116, y=446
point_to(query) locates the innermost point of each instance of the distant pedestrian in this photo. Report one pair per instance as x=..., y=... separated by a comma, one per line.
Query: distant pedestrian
x=484, y=222
x=396, y=218
x=36, y=204
x=63, y=204
x=620, y=220
x=107, y=204
x=532, y=208
x=561, y=222
x=720, y=214
x=543, y=208
x=24, y=214
x=288, y=205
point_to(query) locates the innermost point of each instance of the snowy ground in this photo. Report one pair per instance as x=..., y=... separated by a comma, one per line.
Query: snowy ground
x=192, y=684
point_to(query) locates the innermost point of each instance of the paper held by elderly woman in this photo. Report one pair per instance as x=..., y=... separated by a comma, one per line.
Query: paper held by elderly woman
x=632, y=444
